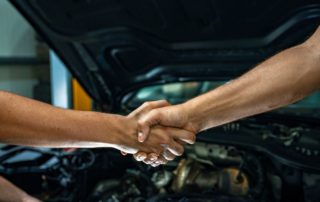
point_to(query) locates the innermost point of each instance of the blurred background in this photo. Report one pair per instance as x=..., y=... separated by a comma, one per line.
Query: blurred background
x=24, y=58
x=29, y=68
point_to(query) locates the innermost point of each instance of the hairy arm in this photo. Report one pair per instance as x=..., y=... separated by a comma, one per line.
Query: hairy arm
x=27, y=122
x=10, y=193
x=281, y=80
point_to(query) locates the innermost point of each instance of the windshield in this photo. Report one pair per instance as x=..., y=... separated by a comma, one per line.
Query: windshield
x=180, y=92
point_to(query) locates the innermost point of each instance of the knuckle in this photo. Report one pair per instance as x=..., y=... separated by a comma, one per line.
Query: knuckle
x=141, y=123
x=136, y=156
x=146, y=161
x=153, y=157
x=180, y=151
x=192, y=138
x=149, y=104
x=146, y=105
x=165, y=102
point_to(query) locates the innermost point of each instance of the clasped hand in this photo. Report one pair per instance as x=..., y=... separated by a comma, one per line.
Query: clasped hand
x=163, y=130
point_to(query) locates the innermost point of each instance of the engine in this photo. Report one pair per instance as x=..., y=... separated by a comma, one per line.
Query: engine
x=208, y=170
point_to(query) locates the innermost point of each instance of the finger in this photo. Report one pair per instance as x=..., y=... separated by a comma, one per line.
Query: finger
x=147, y=106
x=180, y=142
x=140, y=156
x=141, y=136
x=151, y=158
x=183, y=135
x=144, y=124
x=161, y=160
x=175, y=148
x=168, y=155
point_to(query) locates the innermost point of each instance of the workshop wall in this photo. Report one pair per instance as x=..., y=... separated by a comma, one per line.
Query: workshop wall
x=18, y=46
x=16, y=36
x=19, y=80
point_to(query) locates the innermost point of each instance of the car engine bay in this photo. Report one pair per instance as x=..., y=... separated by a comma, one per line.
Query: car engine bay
x=124, y=53
x=210, y=170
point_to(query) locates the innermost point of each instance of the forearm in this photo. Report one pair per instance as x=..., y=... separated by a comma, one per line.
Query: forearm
x=27, y=122
x=281, y=80
x=9, y=192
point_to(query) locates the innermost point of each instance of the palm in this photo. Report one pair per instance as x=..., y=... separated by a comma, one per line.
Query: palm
x=160, y=113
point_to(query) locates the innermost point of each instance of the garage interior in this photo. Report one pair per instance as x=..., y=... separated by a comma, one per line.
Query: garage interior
x=268, y=157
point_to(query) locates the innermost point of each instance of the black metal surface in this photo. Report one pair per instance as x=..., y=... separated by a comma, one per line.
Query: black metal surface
x=14, y=61
x=250, y=133
x=113, y=47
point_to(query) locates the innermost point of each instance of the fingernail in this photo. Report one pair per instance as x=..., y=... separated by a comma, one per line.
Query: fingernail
x=139, y=157
x=153, y=158
x=165, y=146
x=140, y=135
x=157, y=162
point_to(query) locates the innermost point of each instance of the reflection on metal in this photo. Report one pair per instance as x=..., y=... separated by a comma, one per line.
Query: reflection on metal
x=161, y=178
x=192, y=173
x=60, y=82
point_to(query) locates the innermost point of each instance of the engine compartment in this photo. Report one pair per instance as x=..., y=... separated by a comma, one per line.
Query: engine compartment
x=208, y=170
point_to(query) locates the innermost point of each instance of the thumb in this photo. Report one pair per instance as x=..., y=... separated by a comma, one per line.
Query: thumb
x=143, y=132
x=147, y=121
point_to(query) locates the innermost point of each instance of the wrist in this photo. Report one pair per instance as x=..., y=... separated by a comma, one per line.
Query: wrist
x=125, y=136
x=200, y=111
x=188, y=111
x=103, y=130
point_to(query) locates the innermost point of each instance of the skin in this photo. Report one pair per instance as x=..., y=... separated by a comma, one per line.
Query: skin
x=28, y=122
x=281, y=80
x=10, y=193
x=168, y=154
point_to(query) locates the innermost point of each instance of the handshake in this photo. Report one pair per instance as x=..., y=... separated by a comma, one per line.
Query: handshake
x=162, y=132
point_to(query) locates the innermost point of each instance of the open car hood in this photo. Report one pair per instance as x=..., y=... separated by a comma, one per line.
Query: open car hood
x=115, y=46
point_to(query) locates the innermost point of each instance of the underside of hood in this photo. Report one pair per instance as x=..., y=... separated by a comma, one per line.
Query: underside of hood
x=115, y=46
